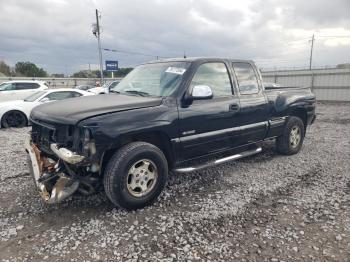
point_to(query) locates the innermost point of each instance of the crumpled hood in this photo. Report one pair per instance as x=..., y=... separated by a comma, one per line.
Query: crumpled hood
x=72, y=111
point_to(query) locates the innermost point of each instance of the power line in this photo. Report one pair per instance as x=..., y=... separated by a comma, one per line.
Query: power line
x=289, y=43
x=334, y=36
x=132, y=53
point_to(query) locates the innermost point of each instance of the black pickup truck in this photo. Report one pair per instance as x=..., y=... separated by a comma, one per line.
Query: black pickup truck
x=176, y=115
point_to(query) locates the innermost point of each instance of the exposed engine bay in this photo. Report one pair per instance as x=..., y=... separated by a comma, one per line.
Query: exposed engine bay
x=55, y=178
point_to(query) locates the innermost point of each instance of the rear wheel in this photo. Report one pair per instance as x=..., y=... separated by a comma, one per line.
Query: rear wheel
x=135, y=175
x=14, y=119
x=292, y=138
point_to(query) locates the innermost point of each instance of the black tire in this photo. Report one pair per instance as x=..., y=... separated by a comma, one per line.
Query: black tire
x=284, y=144
x=117, y=175
x=14, y=118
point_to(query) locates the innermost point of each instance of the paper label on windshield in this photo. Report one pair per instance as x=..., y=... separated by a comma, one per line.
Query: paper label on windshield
x=175, y=70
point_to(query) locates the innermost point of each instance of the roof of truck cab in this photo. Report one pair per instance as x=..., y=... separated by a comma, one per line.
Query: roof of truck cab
x=198, y=59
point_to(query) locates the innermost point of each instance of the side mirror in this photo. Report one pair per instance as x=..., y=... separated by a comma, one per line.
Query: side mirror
x=200, y=92
x=44, y=100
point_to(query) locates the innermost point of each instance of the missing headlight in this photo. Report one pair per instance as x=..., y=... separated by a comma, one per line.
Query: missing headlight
x=89, y=148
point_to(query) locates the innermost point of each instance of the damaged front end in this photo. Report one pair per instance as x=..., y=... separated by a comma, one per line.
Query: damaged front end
x=55, y=179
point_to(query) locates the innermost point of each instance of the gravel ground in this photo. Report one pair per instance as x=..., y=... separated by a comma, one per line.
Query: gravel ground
x=263, y=208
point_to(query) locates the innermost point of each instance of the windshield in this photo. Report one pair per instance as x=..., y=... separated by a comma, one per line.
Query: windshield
x=5, y=86
x=159, y=79
x=84, y=87
x=105, y=85
x=34, y=96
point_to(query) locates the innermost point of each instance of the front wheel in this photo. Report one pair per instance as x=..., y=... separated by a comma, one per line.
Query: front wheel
x=291, y=141
x=135, y=175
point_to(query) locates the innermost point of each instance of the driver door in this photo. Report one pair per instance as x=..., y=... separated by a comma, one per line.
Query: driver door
x=205, y=125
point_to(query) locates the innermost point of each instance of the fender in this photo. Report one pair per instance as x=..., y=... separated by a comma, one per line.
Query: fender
x=286, y=103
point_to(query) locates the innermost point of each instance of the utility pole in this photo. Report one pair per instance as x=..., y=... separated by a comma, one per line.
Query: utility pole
x=312, y=49
x=96, y=31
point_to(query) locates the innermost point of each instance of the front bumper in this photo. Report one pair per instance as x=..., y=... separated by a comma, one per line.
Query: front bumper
x=313, y=119
x=53, y=184
x=33, y=155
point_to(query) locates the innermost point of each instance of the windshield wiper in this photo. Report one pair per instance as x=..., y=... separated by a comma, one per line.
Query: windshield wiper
x=113, y=91
x=140, y=93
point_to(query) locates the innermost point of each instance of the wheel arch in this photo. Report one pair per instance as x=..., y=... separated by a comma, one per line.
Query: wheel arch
x=157, y=138
x=301, y=113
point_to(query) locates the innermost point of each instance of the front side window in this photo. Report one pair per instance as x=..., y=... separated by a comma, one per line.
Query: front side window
x=246, y=77
x=7, y=87
x=214, y=75
x=157, y=79
x=54, y=96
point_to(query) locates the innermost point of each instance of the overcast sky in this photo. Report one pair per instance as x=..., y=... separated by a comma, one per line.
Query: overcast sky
x=56, y=34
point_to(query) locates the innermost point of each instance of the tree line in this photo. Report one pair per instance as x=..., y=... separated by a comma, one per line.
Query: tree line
x=29, y=69
x=22, y=69
x=97, y=74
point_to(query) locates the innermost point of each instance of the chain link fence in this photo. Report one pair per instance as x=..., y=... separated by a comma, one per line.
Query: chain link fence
x=330, y=84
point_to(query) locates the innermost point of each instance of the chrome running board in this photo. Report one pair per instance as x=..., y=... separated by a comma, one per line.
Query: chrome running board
x=219, y=161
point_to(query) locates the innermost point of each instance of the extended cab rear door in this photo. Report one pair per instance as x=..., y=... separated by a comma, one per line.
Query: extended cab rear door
x=253, y=114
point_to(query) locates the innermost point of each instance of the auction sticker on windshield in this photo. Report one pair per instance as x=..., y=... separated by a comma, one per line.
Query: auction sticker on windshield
x=175, y=70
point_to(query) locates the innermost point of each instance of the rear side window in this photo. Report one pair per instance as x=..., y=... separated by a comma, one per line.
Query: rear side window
x=25, y=86
x=246, y=77
x=214, y=75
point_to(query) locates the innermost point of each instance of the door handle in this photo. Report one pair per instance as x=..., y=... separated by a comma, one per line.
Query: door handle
x=234, y=107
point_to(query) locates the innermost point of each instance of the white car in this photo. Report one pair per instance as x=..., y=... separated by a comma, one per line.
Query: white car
x=16, y=113
x=14, y=90
x=272, y=86
x=105, y=88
